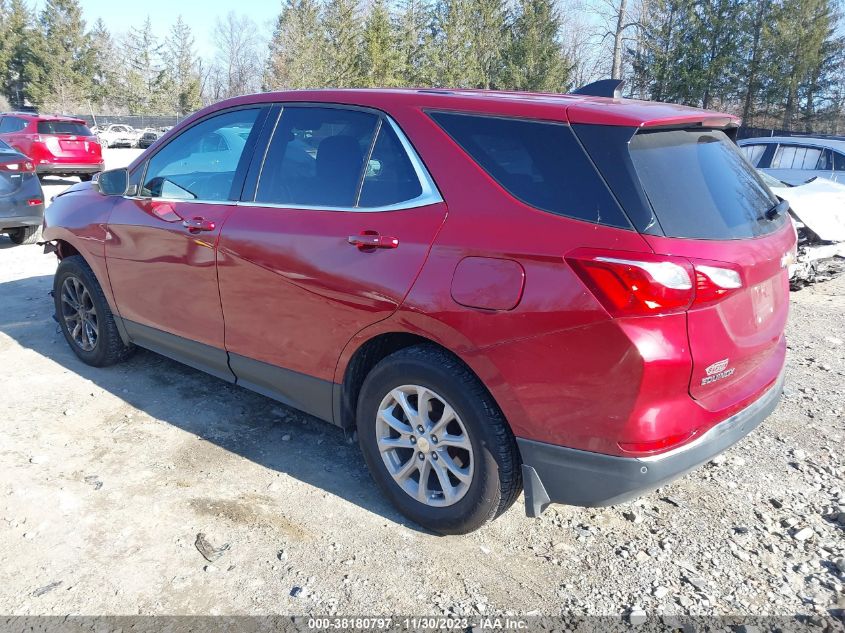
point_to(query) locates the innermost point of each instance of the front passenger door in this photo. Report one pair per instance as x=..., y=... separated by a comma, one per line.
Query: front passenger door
x=161, y=249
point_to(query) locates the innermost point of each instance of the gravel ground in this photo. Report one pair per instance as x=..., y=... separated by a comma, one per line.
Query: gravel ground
x=108, y=476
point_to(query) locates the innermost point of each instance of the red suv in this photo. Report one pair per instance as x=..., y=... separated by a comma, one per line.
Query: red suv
x=58, y=146
x=579, y=296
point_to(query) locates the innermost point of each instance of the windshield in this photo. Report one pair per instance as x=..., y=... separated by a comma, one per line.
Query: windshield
x=701, y=186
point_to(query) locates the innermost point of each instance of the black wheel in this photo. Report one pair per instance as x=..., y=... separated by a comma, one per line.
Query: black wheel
x=85, y=177
x=25, y=235
x=435, y=441
x=84, y=315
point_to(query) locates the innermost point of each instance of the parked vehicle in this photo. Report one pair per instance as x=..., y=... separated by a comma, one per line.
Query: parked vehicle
x=582, y=296
x=58, y=146
x=148, y=138
x=797, y=159
x=21, y=197
x=119, y=135
x=818, y=210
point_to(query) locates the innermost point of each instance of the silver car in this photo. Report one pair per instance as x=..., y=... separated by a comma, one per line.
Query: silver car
x=797, y=159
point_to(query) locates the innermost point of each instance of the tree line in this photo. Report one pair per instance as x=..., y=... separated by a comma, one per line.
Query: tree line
x=777, y=63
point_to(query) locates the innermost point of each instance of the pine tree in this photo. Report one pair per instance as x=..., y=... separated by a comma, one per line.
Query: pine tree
x=16, y=52
x=489, y=29
x=380, y=61
x=144, y=80
x=535, y=60
x=59, y=68
x=414, y=42
x=451, y=50
x=296, y=49
x=105, y=90
x=182, y=68
x=342, y=37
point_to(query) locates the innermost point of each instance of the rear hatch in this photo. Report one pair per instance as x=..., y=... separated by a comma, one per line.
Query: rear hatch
x=70, y=141
x=711, y=207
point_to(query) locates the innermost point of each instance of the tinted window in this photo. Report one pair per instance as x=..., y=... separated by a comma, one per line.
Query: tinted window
x=196, y=165
x=390, y=177
x=316, y=157
x=700, y=186
x=5, y=147
x=11, y=124
x=753, y=153
x=63, y=127
x=541, y=164
x=838, y=161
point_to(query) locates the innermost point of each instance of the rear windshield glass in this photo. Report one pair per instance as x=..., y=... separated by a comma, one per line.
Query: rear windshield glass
x=701, y=186
x=63, y=127
x=540, y=163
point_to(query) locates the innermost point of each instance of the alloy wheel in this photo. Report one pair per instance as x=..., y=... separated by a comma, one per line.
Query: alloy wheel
x=424, y=445
x=79, y=314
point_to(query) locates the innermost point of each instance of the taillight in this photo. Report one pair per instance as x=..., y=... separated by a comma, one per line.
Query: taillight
x=635, y=284
x=18, y=166
x=662, y=444
x=34, y=202
x=642, y=284
x=713, y=283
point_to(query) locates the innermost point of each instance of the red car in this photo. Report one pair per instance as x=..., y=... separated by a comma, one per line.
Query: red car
x=58, y=146
x=579, y=296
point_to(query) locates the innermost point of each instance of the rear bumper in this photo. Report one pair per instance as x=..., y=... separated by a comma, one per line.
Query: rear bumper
x=556, y=474
x=69, y=169
x=20, y=221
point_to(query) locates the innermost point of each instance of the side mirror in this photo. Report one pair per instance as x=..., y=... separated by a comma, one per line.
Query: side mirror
x=113, y=182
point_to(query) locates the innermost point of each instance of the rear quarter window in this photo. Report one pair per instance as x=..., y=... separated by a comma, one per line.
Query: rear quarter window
x=700, y=185
x=540, y=163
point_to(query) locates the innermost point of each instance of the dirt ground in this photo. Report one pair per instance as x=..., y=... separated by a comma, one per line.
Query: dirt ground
x=107, y=476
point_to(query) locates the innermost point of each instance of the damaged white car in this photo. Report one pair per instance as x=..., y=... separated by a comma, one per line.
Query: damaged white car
x=818, y=211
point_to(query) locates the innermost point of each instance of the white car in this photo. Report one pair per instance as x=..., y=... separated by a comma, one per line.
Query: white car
x=817, y=208
x=119, y=135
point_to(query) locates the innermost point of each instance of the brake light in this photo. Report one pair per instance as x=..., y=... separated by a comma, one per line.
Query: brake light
x=635, y=284
x=642, y=284
x=18, y=166
x=713, y=283
x=34, y=202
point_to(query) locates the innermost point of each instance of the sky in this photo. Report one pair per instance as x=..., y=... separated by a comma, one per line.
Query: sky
x=201, y=15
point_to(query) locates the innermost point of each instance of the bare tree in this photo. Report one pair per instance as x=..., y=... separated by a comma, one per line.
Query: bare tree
x=237, y=65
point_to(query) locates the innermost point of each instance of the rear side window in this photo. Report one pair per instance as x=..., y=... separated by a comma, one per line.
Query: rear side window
x=753, y=153
x=838, y=161
x=796, y=157
x=390, y=177
x=9, y=124
x=540, y=163
x=63, y=127
x=700, y=186
x=317, y=157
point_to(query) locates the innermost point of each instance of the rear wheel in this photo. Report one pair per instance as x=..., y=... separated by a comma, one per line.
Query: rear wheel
x=25, y=234
x=84, y=315
x=435, y=441
x=85, y=177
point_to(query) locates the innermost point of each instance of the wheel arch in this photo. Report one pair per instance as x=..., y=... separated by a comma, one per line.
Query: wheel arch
x=364, y=352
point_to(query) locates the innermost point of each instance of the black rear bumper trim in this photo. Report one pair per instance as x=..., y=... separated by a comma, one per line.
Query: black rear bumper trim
x=556, y=474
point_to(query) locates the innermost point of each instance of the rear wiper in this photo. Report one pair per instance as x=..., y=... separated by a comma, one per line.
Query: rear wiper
x=776, y=211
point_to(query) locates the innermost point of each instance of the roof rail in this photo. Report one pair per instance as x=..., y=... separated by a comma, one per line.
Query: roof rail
x=603, y=88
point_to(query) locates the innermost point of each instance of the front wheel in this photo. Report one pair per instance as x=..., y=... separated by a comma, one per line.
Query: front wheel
x=84, y=315
x=435, y=441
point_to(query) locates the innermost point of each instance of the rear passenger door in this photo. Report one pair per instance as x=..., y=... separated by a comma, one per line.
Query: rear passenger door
x=328, y=239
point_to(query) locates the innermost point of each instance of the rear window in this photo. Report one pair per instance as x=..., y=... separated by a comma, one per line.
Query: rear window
x=63, y=127
x=700, y=185
x=540, y=163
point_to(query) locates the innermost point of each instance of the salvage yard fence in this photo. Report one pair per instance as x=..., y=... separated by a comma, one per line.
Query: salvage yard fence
x=139, y=121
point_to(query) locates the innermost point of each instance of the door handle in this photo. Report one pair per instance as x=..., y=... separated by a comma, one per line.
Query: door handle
x=370, y=240
x=195, y=225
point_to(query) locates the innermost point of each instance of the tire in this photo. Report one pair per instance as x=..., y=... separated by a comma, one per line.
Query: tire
x=25, y=235
x=82, y=289
x=85, y=177
x=490, y=472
